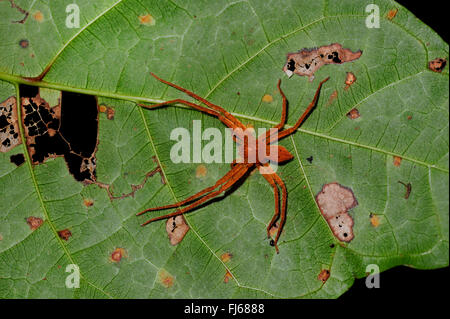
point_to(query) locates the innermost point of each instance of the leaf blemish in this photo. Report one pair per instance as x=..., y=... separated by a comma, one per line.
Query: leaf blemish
x=227, y=277
x=437, y=65
x=34, y=222
x=147, y=20
x=17, y=159
x=55, y=131
x=324, y=275
x=9, y=127
x=391, y=14
x=353, y=114
x=165, y=279
x=65, y=234
x=201, y=171
x=24, y=43
x=176, y=229
x=349, y=80
x=88, y=202
x=408, y=189
x=226, y=257
x=334, y=201
x=397, y=161
x=267, y=98
x=38, y=16
x=307, y=61
x=118, y=254
x=374, y=220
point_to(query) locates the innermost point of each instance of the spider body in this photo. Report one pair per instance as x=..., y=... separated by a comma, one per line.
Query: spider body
x=254, y=153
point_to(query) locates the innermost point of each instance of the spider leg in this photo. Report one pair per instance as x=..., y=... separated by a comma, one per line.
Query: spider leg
x=280, y=182
x=228, y=115
x=302, y=118
x=271, y=181
x=223, y=119
x=221, y=181
x=239, y=172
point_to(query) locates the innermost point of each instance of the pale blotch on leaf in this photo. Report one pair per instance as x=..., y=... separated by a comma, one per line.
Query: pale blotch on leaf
x=334, y=201
x=176, y=228
x=165, y=279
x=333, y=97
x=267, y=98
x=118, y=254
x=323, y=275
x=307, y=61
x=34, y=222
x=147, y=19
x=201, y=171
x=397, y=161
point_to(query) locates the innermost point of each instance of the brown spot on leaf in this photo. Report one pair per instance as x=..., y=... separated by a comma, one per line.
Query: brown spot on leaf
x=65, y=234
x=307, y=61
x=353, y=114
x=324, y=275
x=397, y=161
x=102, y=108
x=408, y=189
x=34, y=222
x=226, y=257
x=110, y=113
x=17, y=159
x=349, y=80
x=391, y=14
x=147, y=19
x=1, y=237
x=201, y=171
x=24, y=43
x=176, y=228
x=437, y=65
x=273, y=230
x=227, y=277
x=374, y=220
x=165, y=279
x=9, y=127
x=333, y=97
x=334, y=201
x=88, y=202
x=118, y=254
x=38, y=16
x=267, y=98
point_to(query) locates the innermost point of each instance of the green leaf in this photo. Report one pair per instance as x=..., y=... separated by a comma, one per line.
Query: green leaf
x=232, y=53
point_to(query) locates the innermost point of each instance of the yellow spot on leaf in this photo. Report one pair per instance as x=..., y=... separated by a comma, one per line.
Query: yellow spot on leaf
x=38, y=16
x=147, y=19
x=267, y=98
x=102, y=108
x=225, y=257
x=397, y=161
x=374, y=220
x=88, y=202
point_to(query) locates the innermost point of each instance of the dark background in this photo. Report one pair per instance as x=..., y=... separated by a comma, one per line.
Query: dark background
x=402, y=283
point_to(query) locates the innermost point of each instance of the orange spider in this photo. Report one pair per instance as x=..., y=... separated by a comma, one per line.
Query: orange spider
x=248, y=149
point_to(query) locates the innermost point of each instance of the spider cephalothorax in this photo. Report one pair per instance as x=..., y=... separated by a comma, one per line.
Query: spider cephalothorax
x=251, y=156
